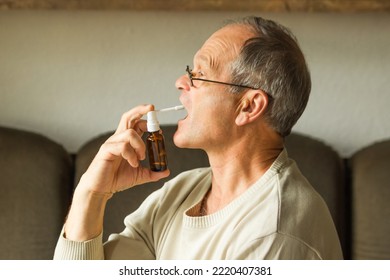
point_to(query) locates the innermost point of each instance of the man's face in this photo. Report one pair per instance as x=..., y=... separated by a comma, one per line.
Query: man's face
x=211, y=108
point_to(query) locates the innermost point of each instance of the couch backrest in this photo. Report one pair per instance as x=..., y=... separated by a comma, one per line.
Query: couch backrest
x=35, y=182
x=321, y=165
x=370, y=176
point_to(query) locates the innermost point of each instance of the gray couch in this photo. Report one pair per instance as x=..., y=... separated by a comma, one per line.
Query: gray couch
x=37, y=178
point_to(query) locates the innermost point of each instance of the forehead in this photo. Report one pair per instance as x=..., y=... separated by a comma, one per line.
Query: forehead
x=223, y=46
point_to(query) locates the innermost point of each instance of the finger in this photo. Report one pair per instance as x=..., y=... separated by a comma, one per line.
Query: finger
x=140, y=127
x=128, y=154
x=132, y=117
x=132, y=141
x=119, y=150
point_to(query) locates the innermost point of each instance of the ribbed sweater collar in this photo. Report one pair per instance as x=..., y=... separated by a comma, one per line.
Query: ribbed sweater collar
x=200, y=222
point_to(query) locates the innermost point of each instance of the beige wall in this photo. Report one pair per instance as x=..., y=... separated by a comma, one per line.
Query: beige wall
x=70, y=75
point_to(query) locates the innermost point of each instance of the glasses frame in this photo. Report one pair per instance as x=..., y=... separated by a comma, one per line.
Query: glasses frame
x=191, y=77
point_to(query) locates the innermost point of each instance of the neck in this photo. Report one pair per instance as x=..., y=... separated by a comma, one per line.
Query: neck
x=238, y=166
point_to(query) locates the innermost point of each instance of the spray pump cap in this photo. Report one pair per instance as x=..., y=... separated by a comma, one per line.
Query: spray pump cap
x=152, y=122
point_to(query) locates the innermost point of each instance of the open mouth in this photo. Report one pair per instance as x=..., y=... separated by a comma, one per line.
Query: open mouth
x=184, y=115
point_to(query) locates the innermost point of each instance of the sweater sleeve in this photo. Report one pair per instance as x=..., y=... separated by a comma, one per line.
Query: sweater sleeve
x=73, y=250
x=144, y=229
x=135, y=242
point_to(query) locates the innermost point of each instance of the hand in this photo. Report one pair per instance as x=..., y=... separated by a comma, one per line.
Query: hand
x=116, y=166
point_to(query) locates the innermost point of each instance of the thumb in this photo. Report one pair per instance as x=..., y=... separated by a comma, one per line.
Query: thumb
x=156, y=176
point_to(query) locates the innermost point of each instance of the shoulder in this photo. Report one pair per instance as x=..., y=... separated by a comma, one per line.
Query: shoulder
x=304, y=217
x=294, y=188
x=281, y=247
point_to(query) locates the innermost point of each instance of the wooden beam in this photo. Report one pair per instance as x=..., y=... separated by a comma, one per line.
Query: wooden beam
x=340, y=6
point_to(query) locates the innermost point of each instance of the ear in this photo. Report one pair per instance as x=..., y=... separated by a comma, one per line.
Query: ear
x=251, y=107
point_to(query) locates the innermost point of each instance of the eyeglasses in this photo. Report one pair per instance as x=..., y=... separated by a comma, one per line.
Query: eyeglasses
x=192, y=79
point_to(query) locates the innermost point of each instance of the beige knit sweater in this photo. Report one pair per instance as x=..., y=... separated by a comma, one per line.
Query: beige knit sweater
x=281, y=216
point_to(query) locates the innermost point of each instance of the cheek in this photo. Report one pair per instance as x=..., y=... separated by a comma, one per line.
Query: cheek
x=209, y=116
x=225, y=109
x=216, y=122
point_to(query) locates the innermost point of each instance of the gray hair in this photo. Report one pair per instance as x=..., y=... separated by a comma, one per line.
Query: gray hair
x=273, y=61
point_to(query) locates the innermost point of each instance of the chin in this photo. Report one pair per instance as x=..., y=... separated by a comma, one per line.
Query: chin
x=178, y=140
x=181, y=139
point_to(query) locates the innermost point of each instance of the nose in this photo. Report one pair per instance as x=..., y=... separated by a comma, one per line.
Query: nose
x=183, y=83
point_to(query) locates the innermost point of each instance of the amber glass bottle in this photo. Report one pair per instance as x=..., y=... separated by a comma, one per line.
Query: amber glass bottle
x=155, y=144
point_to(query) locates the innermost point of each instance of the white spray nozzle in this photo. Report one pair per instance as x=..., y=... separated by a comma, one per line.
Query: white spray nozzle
x=152, y=122
x=175, y=108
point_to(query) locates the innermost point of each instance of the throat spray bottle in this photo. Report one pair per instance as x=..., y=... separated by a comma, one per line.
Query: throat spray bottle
x=155, y=144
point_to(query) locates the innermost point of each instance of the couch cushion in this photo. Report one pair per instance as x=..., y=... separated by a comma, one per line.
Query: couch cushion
x=35, y=182
x=370, y=204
